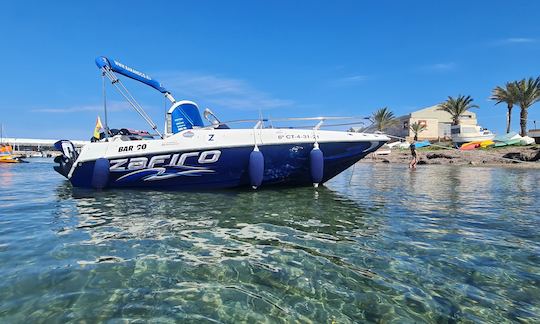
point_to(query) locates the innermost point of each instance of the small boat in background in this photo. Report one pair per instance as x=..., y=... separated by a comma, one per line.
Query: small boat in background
x=383, y=150
x=6, y=155
x=470, y=146
x=470, y=133
x=507, y=137
x=422, y=144
x=6, y=150
x=486, y=144
x=526, y=140
x=476, y=144
x=403, y=145
x=513, y=138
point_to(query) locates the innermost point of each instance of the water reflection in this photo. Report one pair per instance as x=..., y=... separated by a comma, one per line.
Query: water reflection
x=6, y=175
x=222, y=224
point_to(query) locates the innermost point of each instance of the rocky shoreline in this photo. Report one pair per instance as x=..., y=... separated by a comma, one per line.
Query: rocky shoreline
x=512, y=156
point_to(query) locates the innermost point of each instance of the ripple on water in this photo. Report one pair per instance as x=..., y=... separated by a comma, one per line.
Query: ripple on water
x=439, y=244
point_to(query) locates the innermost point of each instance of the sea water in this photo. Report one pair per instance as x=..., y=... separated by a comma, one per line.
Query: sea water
x=379, y=243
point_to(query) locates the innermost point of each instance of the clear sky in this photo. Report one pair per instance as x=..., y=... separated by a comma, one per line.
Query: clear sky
x=288, y=58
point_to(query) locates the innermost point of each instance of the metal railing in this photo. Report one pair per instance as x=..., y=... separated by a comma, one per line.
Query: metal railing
x=261, y=123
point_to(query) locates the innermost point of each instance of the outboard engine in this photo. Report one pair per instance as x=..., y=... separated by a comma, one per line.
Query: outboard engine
x=183, y=115
x=68, y=157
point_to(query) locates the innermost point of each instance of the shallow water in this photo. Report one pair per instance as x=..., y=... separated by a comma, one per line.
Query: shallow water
x=380, y=244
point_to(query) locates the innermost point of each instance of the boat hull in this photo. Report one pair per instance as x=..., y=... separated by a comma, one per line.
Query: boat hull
x=10, y=161
x=284, y=165
x=460, y=140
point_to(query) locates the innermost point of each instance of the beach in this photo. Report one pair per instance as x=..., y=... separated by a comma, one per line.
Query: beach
x=511, y=156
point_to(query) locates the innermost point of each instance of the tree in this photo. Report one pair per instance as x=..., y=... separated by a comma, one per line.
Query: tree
x=417, y=128
x=509, y=95
x=456, y=107
x=528, y=92
x=383, y=118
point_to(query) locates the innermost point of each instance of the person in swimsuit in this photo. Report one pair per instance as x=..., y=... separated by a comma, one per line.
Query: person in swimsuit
x=414, y=155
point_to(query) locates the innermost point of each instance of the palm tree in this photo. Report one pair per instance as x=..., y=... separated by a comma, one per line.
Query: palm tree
x=417, y=128
x=507, y=94
x=383, y=118
x=528, y=92
x=456, y=107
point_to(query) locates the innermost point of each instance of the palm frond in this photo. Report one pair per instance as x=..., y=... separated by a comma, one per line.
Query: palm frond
x=383, y=118
x=457, y=106
x=528, y=92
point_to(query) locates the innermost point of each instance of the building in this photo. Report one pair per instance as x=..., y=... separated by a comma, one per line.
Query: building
x=437, y=123
x=21, y=145
x=535, y=133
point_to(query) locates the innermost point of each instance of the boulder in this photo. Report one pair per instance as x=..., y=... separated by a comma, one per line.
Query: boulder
x=438, y=156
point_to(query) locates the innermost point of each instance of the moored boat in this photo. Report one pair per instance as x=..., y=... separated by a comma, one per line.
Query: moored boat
x=6, y=154
x=192, y=155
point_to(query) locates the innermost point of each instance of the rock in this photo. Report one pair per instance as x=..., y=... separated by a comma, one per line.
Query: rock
x=438, y=156
x=534, y=156
x=519, y=156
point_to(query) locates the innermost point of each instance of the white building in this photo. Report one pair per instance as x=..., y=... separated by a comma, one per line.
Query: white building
x=34, y=144
x=437, y=123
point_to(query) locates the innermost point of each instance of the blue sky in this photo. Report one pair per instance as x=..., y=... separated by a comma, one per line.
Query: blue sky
x=288, y=58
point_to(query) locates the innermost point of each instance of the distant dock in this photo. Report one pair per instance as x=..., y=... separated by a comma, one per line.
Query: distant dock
x=31, y=147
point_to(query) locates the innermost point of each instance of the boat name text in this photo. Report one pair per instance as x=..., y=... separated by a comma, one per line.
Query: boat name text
x=171, y=160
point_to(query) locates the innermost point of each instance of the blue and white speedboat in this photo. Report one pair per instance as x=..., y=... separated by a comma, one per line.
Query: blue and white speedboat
x=192, y=155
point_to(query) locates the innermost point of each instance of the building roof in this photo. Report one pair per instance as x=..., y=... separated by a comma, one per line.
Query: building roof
x=432, y=112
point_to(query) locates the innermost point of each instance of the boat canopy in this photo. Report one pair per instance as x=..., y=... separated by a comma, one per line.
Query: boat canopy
x=129, y=72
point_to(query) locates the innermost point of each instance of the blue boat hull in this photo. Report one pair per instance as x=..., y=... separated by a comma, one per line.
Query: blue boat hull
x=284, y=165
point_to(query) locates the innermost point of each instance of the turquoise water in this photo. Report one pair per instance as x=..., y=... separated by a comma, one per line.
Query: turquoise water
x=381, y=244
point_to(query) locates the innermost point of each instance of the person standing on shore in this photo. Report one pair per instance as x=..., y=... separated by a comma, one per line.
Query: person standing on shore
x=414, y=154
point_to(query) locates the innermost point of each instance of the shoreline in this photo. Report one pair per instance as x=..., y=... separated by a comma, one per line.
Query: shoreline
x=513, y=156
